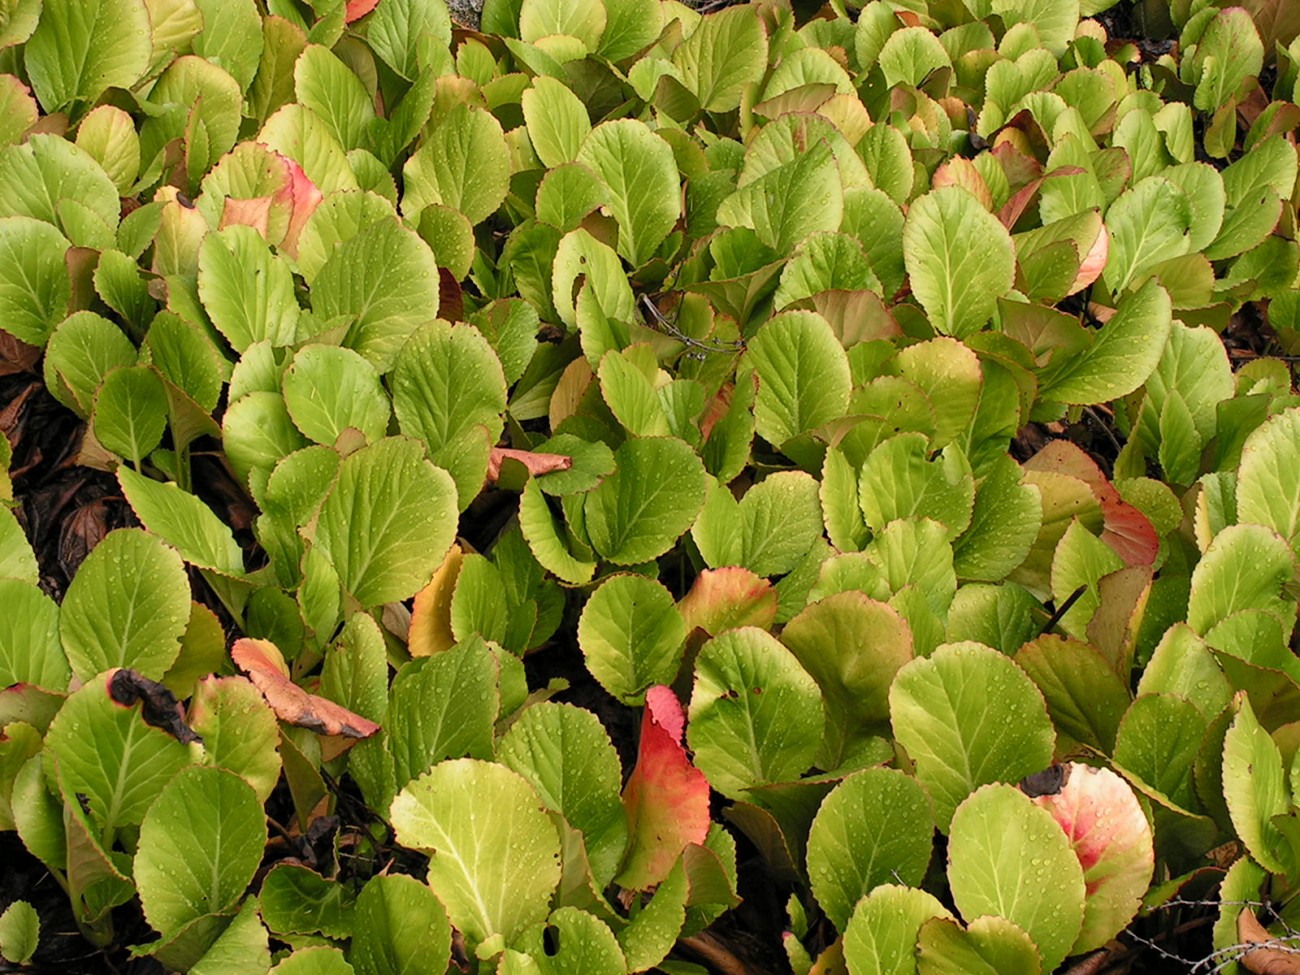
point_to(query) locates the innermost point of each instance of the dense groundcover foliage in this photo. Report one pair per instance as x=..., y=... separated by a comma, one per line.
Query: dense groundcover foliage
x=627, y=486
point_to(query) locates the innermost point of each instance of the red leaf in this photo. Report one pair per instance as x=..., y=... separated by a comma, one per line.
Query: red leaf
x=356, y=9
x=303, y=197
x=536, y=463
x=1126, y=529
x=666, y=798
x=723, y=599
x=262, y=662
x=1112, y=839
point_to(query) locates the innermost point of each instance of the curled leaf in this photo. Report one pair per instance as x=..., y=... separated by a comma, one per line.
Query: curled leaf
x=262, y=662
x=159, y=705
x=1273, y=957
x=535, y=463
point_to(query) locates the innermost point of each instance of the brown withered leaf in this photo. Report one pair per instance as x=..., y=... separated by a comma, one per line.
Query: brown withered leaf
x=536, y=463
x=1272, y=958
x=159, y=706
x=16, y=356
x=265, y=667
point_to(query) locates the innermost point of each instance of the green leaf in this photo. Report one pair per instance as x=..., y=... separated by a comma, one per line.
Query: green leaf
x=881, y=936
x=726, y=52
x=768, y=531
x=909, y=55
x=388, y=521
x=564, y=753
x=328, y=87
x=494, y=853
x=1085, y=697
x=107, y=753
x=1009, y=858
x=899, y=481
x=449, y=390
x=852, y=646
x=404, y=32
x=314, y=959
x=585, y=944
x=544, y=19
x=1156, y=746
x=209, y=820
x=988, y=946
x=34, y=285
x=442, y=707
x=1004, y=522
x=297, y=900
x=243, y=946
x=1244, y=568
x=130, y=412
x=803, y=375
x=1228, y=54
x=755, y=714
x=968, y=716
x=80, y=49
x=1266, y=484
x=557, y=121
x=960, y=259
x=184, y=522
x=46, y=175
x=538, y=524
x=632, y=636
x=1148, y=224
x=630, y=26
x=384, y=282
x=30, y=652
x=20, y=933
x=82, y=351
x=651, y=500
x=638, y=169
x=246, y=290
x=400, y=927
x=874, y=827
x=1255, y=787
x=257, y=432
x=464, y=163
x=127, y=606
x=328, y=390
x=789, y=203
x=239, y=730
x=231, y=37
x=1125, y=353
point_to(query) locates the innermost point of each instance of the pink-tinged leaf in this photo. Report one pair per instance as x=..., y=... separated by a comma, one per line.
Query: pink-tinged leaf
x=666, y=798
x=254, y=212
x=1093, y=263
x=716, y=409
x=727, y=598
x=303, y=198
x=535, y=463
x=356, y=9
x=1020, y=200
x=1126, y=530
x=1112, y=839
x=265, y=667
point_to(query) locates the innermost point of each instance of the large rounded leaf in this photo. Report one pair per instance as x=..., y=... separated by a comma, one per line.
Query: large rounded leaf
x=109, y=755
x=1270, y=465
x=494, y=855
x=200, y=845
x=30, y=652
x=246, y=290
x=566, y=755
x=968, y=716
x=1009, y=858
x=388, y=522
x=645, y=194
x=1112, y=840
x=126, y=607
x=803, y=375
x=464, y=163
x=384, y=282
x=400, y=927
x=651, y=500
x=83, y=47
x=1255, y=788
x=881, y=936
x=875, y=826
x=755, y=715
x=631, y=634
x=328, y=389
x=959, y=257
x=34, y=286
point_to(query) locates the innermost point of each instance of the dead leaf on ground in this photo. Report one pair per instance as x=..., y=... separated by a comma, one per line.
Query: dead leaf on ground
x=1274, y=958
x=265, y=667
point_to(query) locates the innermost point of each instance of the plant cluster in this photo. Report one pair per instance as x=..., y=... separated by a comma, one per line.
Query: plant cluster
x=707, y=347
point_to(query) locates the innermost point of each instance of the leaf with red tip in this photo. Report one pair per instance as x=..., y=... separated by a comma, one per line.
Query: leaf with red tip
x=1112, y=839
x=667, y=798
x=726, y=598
x=303, y=197
x=265, y=667
x=1126, y=530
x=356, y=9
